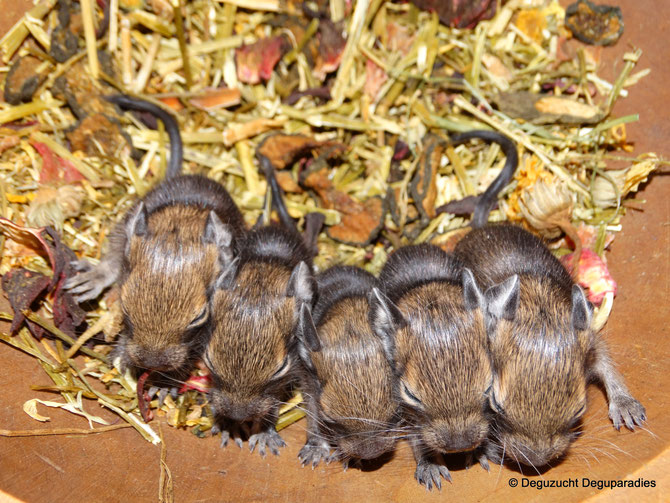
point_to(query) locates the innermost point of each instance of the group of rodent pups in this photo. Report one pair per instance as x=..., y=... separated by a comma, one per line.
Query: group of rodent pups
x=486, y=350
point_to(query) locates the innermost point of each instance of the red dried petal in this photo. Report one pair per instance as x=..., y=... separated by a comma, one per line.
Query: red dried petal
x=197, y=383
x=23, y=287
x=592, y=275
x=459, y=13
x=256, y=61
x=54, y=168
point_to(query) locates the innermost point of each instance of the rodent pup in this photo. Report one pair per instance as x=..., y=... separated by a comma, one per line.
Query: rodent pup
x=436, y=321
x=349, y=382
x=164, y=255
x=255, y=307
x=543, y=350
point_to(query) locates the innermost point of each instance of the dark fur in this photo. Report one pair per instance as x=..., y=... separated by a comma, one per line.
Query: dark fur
x=543, y=349
x=164, y=258
x=435, y=317
x=251, y=353
x=349, y=381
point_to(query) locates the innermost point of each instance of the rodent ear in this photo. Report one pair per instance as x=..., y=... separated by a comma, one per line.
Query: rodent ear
x=384, y=316
x=301, y=284
x=136, y=224
x=227, y=276
x=217, y=233
x=502, y=300
x=472, y=295
x=306, y=329
x=582, y=309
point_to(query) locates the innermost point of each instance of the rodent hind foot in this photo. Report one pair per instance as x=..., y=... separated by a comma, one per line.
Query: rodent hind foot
x=313, y=452
x=269, y=439
x=626, y=410
x=430, y=474
x=163, y=393
x=227, y=432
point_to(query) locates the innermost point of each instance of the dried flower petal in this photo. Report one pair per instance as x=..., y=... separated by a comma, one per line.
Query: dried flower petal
x=544, y=205
x=593, y=275
x=256, y=61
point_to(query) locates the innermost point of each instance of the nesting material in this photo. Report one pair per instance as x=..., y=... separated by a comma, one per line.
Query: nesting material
x=355, y=109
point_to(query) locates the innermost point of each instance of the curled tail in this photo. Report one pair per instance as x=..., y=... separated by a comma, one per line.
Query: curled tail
x=487, y=200
x=171, y=127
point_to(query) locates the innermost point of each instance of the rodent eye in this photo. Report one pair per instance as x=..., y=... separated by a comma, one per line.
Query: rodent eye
x=201, y=318
x=409, y=397
x=285, y=366
x=577, y=417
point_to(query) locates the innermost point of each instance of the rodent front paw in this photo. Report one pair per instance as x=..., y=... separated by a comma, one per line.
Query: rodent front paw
x=481, y=458
x=624, y=409
x=428, y=474
x=313, y=452
x=89, y=283
x=269, y=438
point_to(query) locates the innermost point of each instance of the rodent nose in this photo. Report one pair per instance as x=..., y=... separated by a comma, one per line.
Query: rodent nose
x=366, y=448
x=534, y=457
x=238, y=413
x=460, y=441
x=153, y=359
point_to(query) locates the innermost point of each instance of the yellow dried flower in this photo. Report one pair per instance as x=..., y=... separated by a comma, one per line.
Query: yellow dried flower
x=546, y=206
x=51, y=205
x=626, y=180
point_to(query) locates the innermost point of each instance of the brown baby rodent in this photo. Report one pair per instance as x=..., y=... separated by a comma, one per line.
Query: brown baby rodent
x=163, y=256
x=436, y=320
x=543, y=350
x=349, y=382
x=255, y=306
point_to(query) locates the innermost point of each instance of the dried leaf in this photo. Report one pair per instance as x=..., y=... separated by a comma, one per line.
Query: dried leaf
x=23, y=288
x=361, y=222
x=256, y=61
x=70, y=407
x=213, y=99
x=30, y=408
x=543, y=109
x=459, y=13
x=283, y=149
x=97, y=135
x=594, y=24
x=26, y=236
x=330, y=49
x=424, y=184
x=23, y=79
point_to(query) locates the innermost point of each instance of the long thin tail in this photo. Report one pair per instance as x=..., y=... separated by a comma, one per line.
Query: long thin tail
x=313, y=221
x=171, y=127
x=487, y=200
x=277, y=194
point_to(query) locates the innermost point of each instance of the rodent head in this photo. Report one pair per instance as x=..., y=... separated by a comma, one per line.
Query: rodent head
x=540, y=351
x=172, y=257
x=442, y=362
x=255, y=308
x=353, y=380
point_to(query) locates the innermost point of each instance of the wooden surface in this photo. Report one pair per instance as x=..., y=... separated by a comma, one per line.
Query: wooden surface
x=120, y=466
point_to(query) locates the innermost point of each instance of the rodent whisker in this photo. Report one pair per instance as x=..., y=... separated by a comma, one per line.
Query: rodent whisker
x=604, y=443
x=502, y=460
